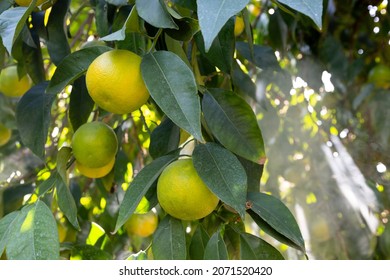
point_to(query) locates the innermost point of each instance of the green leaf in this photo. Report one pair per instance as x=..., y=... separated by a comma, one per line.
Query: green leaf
x=169, y=241
x=216, y=248
x=262, y=56
x=198, y=243
x=164, y=139
x=275, y=219
x=221, y=51
x=63, y=157
x=12, y=22
x=130, y=25
x=46, y=185
x=57, y=45
x=6, y=224
x=242, y=82
x=223, y=174
x=11, y=197
x=80, y=104
x=172, y=85
x=34, y=234
x=139, y=186
x=72, y=67
x=89, y=252
x=5, y=5
x=33, y=60
x=311, y=8
x=66, y=201
x=101, y=17
x=188, y=27
x=254, y=172
x=33, y=118
x=214, y=14
x=234, y=124
x=255, y=248
x=117, y=2
x=155, y=13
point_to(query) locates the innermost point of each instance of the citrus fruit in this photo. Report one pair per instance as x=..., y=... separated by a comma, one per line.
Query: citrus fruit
x=142, y=225
x=379, y=75
x=182, y=193
x=11, y=85
x=94, y=144
x=61, y=232
x=95, y=172
x=5, y=134
x=115, y=83
x=238, y=26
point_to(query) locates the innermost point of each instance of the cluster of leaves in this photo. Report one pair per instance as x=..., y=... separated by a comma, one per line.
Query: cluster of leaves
x=201, y=80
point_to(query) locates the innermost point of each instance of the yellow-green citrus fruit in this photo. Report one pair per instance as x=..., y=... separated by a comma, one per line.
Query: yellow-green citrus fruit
x=94, y=144
x=115, y=83
x=11, y=85
x=182, y=193
x=142, y=225
x=95, y=172
x=5, y=134
x=379, y=75
x=61, y=232
x=239, y=26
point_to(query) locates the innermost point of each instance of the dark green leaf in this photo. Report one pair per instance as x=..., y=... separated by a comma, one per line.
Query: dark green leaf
x=139, y=186
x=274, y=217
x=57, y=45
x=46, y=185
x=33, y=118
x=34, y=234
x=130, y=25
x=66, y=201
x=12, y=22
x=32, y=55
x=5, y=5
x=262, y=56
x=310, y=8
x=216, y=248
x=11, y=197
x=223, y=174
x=198, y=243
x=234, y=124
x=172, y=85
x=155, y=13
x=6, y=223
x=164, y=139
x=101, y=17
x=169, y=242
x=187, y=28
x=214, y=14
x=73, y=66
x=189, y=4
x=117, y=2
x=254, y=171
x=80, y=104
x=255, y=248
x=242, y=82
x=89, y=252
x=63, y=157
x=221, y=51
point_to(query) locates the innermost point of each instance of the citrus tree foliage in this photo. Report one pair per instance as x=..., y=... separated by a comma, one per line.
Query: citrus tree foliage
x=215, y=71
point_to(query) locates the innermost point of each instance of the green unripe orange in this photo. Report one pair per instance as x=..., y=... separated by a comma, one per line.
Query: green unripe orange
x=94, y=144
